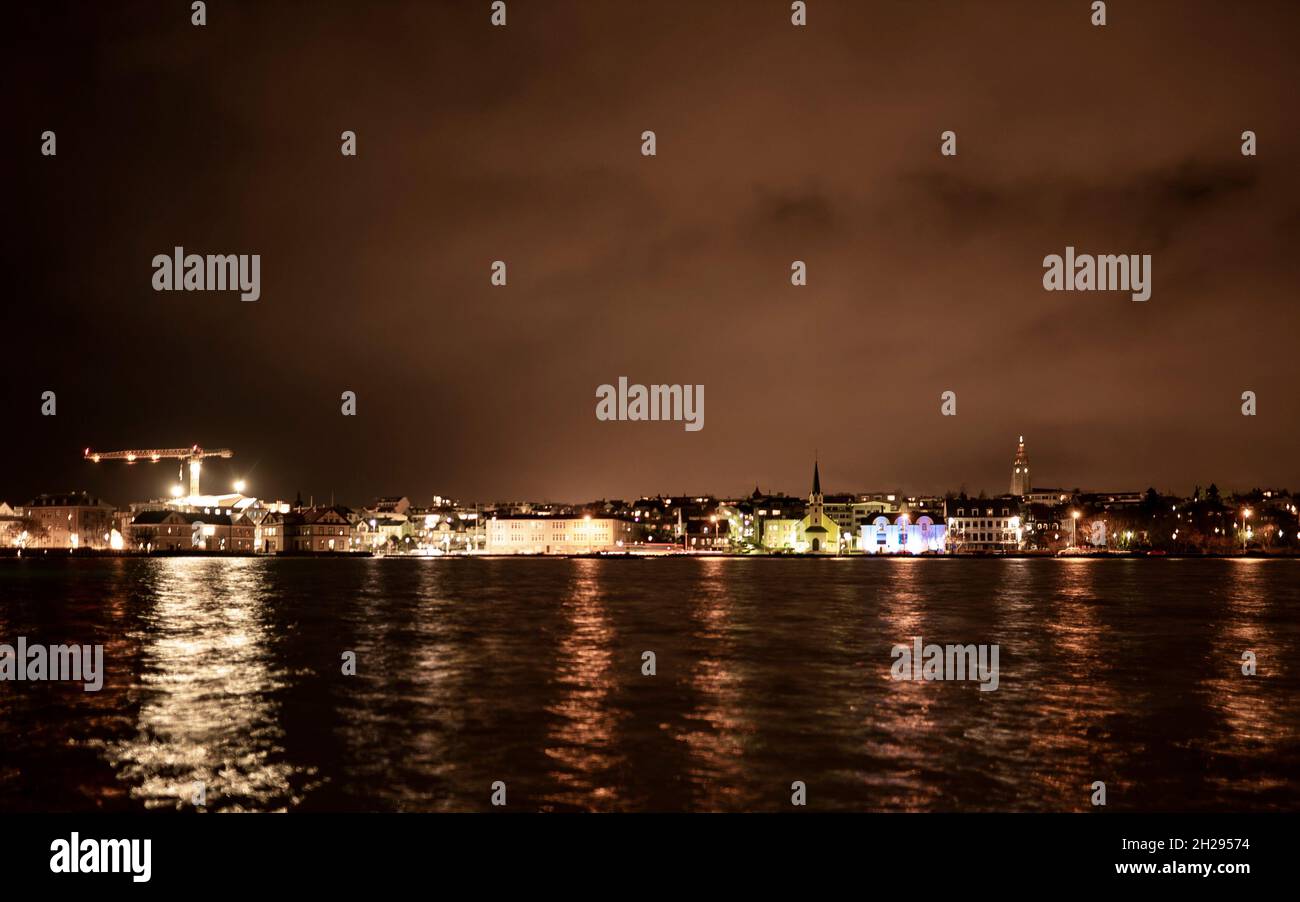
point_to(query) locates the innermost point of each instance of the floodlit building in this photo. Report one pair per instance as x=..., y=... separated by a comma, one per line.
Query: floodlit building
x=443, y=528
x=780, y=534
x=223, y=532
x=72, y=520
x=311, y=530
x=903, y=533
x=12, y=525
x=378, y=532
x=169, y=530
x=558, y=535
x=707, y=533
x=984, y=525
x=160, y=530
x=817, y=532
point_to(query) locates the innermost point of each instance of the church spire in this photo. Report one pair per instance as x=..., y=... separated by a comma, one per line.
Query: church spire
x=817, y=479
x=1020, y=470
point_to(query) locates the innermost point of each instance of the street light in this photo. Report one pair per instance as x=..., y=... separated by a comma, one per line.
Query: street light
x=177, y=491
x=1245, y=512
x=1074, y=529
x=239, y=486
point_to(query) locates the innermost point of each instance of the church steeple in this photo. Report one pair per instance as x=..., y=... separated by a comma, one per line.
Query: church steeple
x=818, y=531
x=1020, y=471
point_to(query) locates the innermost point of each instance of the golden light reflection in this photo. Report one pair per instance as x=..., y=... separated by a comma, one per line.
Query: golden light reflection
x=225, y=671
x=904, y=724
x=716, y=724
x=400, y=720
x=1062, y=661
x=581, y=742
x=205, y=712
x=1250, y=707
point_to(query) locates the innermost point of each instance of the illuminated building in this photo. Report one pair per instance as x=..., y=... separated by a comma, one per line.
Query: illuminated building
x=557, y=535
x=160, y=530
x=74, y=520
x=818, y=532
x=983, y=525
x=1050, y=496
x=12, y=525
x=780, y=533
x=312, y=530
x=903, y=533
x=170, y=530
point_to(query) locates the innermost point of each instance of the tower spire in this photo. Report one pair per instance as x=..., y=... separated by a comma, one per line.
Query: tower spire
x=1020, y=471
x=817, y=479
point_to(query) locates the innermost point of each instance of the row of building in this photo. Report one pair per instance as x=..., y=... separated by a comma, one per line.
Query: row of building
x=235, y=523
x=1025, y=519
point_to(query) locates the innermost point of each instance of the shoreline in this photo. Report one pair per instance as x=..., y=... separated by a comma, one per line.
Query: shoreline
x=88, y=554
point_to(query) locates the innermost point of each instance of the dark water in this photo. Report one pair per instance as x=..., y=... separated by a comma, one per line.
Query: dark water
x=769, y=671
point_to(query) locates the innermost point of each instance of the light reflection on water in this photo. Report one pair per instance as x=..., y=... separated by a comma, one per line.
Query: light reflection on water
x=1248, y=710
x=768, y=671
x=580, y=739
x=716, y=731
x=206, y=685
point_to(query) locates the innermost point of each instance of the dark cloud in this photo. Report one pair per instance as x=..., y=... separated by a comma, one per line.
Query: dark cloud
x=775, y=144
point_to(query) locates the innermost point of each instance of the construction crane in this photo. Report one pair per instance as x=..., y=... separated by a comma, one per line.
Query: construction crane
x=193, y=456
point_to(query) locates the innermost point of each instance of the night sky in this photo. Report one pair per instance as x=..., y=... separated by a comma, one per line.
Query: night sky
x=775, y=144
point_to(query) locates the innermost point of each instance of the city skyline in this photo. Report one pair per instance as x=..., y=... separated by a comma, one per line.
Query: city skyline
x=222, y=476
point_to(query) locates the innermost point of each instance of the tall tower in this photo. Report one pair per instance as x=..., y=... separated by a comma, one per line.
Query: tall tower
x=1020, y=471
x=819, y=531
x=815, y=499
